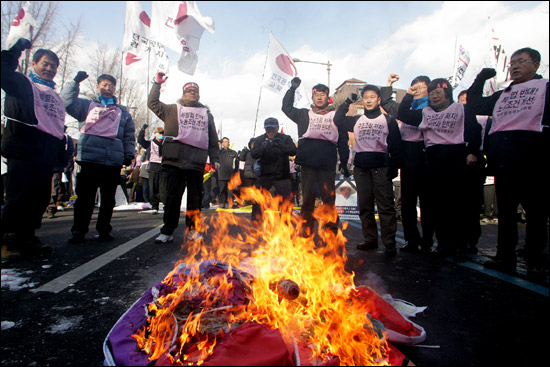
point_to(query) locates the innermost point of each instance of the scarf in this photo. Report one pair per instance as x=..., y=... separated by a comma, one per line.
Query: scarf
x=36, y=79
x=419, y=103
x=105, y=100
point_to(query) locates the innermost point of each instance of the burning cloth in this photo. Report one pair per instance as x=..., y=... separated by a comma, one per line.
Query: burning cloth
x=216, y=322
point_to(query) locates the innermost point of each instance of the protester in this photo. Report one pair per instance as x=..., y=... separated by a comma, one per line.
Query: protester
x=473, y=186
x=378, y=155
x=412, y=173
x=228, y=159
x=518, y=148
x=33, y=144
x=190, y=138
x=320, y=143
x=144, y=175
x=273, y=149
x=452, y=138
x=154, y=159
x=107, y=143
x=248, y=177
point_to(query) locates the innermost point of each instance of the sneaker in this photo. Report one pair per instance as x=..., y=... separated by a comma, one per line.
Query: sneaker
x=501, y=265
x=194, y=236
x=164, y=238
x=105, y=237
x=60, y=208
x=77, y=238
x=367, y=245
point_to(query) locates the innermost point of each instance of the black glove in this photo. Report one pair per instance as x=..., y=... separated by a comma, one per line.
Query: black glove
x=352, y=98
x=80, y=76
x=295, y=82
x=265, y=145
x=486, y=73
x=21, y=45
x=145, y=126
x=127, y=162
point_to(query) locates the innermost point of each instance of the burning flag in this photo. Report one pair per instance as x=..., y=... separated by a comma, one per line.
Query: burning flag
x=263, y=296
x=280, y=70
x=179, y=24
x=21, y=27
x=141, y=56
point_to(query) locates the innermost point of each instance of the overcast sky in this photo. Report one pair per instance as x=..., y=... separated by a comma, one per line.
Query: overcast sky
x=363, y=40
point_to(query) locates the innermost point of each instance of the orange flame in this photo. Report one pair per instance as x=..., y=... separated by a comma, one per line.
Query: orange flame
x=322, y=316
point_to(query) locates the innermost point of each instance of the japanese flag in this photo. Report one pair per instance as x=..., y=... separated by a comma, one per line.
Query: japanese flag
x=180, y=25
x=21, y=27
x=142, y=57
x=280, y=70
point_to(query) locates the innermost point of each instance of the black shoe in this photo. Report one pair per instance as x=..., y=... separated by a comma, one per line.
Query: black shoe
x=367, y=245
x=51, y=214
x=390, y=252
x=506, y=266
x=76, y=239
x=410, y=247
x=105, y=237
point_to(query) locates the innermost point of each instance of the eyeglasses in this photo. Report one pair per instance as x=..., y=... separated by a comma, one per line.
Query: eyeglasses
x=519, y=62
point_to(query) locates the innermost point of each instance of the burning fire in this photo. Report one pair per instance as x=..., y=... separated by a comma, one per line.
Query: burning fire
x=271, y=276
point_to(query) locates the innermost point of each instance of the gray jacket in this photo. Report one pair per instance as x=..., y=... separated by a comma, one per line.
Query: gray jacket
x=98, y=149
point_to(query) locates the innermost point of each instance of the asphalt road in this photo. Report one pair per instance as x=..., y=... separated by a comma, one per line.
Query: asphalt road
x=58, y=310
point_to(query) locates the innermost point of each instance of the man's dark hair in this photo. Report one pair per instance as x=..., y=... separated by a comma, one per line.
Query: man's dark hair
x=106, y=77
x=225, y=137
x=367, y=87
x=43, y=52
x=461, y=93
x=534, y=54
x=421, y=78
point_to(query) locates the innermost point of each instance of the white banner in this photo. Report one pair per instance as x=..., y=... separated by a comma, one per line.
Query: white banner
x=21, y=27
x=462, y=62
x=497, y=59
x=142, y=57
x=180, y=25
x=280, y=70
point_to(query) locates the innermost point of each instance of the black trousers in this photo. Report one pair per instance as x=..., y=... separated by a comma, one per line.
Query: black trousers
x=93, y=176
x=314, y=180
x=173, y=182
x=514, y=187
x=28, y=192
x=154, y=189
x=375, y=185
x=413, y=190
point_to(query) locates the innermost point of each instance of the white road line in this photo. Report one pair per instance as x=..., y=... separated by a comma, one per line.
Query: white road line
x=73, y=276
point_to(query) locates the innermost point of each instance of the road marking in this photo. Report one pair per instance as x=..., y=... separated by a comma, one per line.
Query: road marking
x=73, y=276
x=537, y=288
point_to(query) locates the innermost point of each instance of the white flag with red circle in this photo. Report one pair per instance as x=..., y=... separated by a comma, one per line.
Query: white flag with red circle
x=21, y=26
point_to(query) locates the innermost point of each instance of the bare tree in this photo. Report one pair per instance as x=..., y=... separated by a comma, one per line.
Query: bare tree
x=67, y=50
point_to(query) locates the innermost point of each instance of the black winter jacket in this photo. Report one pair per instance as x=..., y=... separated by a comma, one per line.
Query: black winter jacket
x=19, y=140
x=314, y=153
x=274, y=155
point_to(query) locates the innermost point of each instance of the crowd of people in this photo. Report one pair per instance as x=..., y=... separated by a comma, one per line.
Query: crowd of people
x=439, y=148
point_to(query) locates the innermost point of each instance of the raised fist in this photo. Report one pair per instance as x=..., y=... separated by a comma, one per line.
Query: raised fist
x=353, y=97
x=486, y=73
x=295, y=82
x=80, y=76
x=392, y=78
x=160, y=78
x=21, y=45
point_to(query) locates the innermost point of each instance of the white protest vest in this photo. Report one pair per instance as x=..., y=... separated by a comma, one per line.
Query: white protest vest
x=410, y=133
x=371, y=135
x=444, y=127
x=49, y=110
x=521, y=108
x=193, y=126
x=155, y=153
x=322, y=127
x=102, y=120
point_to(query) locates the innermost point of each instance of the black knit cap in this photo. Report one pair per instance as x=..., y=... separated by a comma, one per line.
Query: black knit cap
x=320, y=88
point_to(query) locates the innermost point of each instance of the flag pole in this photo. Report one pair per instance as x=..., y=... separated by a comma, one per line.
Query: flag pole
x=147, y=91
x=260, y=96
